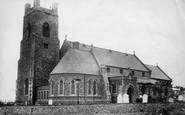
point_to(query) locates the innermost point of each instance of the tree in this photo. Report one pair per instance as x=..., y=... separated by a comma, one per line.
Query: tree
x=1, y=103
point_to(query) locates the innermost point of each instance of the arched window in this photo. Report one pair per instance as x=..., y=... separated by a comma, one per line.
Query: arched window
x=72, y=87
x=90, y=87
x=52, y=87
x=44, y=97
x=41, y=95
x=46, y=29
x=95, y=87
x=47, y=93
x=61, y=87
x=26, y=86
x=29, y=30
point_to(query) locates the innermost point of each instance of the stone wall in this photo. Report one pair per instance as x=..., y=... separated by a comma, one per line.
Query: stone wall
x=90, y=109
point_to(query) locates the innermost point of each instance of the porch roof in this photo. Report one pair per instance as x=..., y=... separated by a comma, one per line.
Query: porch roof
x=152, y=81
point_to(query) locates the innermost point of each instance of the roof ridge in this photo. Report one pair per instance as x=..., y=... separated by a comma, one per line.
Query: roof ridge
x=150, y=65
x=79, y=49
x=113, y=50
x=100, y=48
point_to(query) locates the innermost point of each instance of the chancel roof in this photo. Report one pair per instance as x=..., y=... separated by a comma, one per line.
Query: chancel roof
x=157, y=73
x=77, y=61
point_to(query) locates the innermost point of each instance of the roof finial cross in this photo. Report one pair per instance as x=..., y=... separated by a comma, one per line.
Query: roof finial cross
x=65, y=36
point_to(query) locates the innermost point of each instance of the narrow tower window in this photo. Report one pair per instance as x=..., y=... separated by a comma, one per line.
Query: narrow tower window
x=29, y=30
x=26, y=86
x=72, y=87
x=46, y=30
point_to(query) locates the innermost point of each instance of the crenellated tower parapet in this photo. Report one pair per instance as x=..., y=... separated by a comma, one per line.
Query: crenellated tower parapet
x=37, y=7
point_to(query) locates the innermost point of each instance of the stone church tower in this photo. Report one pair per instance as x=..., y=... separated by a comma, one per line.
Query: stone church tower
x=39, y=51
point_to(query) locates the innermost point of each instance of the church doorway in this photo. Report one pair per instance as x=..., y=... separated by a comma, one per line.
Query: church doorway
x=130, y=94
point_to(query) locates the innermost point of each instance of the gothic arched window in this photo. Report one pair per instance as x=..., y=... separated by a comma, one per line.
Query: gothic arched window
x=61, y=87
x=29, y=30
x=46, y=29
x=41, y=95
x=26, y=86
x=95, y=87
x=89, y=88
x=44, y=95
x=73, y=87
x=52, y=87
x=38, y=95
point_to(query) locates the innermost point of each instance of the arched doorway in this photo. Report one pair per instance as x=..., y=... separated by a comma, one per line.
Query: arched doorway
x=130, y=93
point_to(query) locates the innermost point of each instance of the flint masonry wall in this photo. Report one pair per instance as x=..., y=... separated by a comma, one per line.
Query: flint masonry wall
x=89, y=109
x=84, y=96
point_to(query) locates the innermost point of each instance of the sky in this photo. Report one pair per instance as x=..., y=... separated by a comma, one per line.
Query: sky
x=154, y=29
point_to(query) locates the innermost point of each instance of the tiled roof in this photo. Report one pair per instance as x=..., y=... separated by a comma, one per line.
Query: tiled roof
x=112, y=58
x=157, y=73
x=77, y=61
x=117, y=59
x=86, y=59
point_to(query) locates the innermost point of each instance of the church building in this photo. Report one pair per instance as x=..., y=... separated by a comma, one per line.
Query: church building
x=78, y=73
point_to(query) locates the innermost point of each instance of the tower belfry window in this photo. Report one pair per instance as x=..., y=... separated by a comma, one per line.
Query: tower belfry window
x=46, y=30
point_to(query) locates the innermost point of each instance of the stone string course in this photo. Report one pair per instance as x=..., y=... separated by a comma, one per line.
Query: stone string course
x=138, y=109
